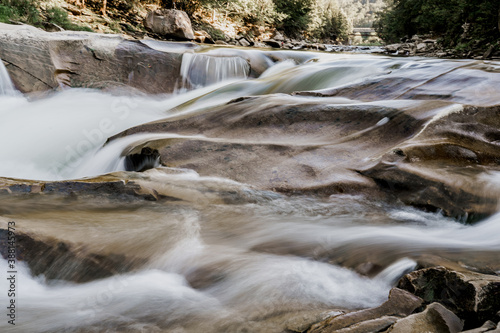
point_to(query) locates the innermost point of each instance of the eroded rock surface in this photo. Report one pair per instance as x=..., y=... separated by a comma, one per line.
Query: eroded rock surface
x=40, y=61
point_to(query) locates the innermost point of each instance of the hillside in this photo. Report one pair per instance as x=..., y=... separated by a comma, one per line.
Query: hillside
x=327, y=20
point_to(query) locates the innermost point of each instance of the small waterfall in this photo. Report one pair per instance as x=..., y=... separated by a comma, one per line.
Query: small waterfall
x=200, y=70
x=6, y=86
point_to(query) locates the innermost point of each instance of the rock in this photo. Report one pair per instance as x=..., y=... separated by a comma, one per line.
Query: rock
x=170, y=23
x=421, y=47
x=429, y=41
x=278, y=37
x=392, y=48
x=435, y=318
x=488, y=326
x=202, y=36
x=273, y=43
x=400, y=304
x=244, y=42
x=370, y=326
x=39, y=61
x=488, y=52
x=220, y=42
x=60, y=261
x=472, y=296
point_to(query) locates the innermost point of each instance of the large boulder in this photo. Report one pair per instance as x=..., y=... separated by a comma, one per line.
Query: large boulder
x=38, y=61
x=170, y=23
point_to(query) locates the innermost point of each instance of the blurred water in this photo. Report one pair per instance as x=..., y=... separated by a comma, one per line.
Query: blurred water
x=223, y=256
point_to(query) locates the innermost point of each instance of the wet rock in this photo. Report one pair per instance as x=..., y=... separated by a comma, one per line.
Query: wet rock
x=39, y=61
x=400, y=304
x=472, y=296
x=488, y=326
x=62, y=261
x=435, y=318
x=170, y=23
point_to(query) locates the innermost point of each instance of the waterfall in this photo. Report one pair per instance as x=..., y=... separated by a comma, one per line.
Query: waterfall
x=200, y=70
x=6, y=86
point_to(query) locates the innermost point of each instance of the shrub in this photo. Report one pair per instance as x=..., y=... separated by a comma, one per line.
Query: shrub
x=19, y=10
x=60, y=17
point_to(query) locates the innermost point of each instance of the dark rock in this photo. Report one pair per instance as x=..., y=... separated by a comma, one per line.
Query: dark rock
x=147, y=159
x=400, y=304
x=273, y=43
x=170, y=23
x=435, y=318
x=472, y=296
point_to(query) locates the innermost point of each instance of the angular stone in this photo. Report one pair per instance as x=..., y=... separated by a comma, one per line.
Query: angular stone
x=435, y=318
x=472, y=296
x=400, y=304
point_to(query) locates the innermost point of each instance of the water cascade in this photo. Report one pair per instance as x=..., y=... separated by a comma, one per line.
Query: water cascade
x=199, y=69
x=6, y=86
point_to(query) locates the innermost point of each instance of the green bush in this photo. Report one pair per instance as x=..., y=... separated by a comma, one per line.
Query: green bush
x=297, y=15
x=19, y=10
x=60, y=17
x=328, y=22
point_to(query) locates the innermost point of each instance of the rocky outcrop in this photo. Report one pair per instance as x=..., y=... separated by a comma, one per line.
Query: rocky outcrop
x=39, y=61
x=473, y=297
x=353, y=148
x=170, y=23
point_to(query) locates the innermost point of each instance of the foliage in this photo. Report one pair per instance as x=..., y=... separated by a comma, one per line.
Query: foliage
x=328, y=21
x=457, y=21
x=60, y=17
x=19, y=10
x=297, y=15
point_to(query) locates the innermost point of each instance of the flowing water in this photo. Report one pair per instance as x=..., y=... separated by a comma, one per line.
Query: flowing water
x=227, y=257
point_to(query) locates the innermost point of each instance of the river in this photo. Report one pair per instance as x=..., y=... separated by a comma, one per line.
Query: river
x=235, y=252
